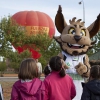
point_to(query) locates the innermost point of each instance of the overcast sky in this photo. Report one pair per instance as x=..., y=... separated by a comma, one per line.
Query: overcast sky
x=70, y=8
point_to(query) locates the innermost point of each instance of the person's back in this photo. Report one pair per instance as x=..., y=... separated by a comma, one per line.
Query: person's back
x=91, y=89
x=58, y=85
x=28, y=87
x=28, y=90
x=60, y=88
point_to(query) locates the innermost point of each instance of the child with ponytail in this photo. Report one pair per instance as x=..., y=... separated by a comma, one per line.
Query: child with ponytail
x=58, y=85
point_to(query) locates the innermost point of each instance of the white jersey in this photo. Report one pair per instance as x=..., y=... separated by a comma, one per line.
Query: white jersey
x=72, y=61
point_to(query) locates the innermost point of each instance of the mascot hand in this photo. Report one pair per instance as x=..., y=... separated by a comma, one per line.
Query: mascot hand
x=81, y=69
x=86, y=74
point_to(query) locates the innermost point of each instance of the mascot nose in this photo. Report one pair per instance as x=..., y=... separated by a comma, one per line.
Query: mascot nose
x=77, y=37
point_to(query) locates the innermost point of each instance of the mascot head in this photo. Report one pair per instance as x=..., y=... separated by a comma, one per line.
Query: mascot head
x=75, y=39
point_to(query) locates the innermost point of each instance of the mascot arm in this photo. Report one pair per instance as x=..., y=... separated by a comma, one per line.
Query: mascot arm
x=86, y=62
x=83, y=69
x=62, y=56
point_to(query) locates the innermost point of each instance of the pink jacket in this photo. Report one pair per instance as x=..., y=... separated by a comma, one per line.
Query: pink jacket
x=26, y=90
x=59, y=88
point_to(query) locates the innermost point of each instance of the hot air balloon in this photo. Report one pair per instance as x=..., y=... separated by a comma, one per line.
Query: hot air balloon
x=34, y=22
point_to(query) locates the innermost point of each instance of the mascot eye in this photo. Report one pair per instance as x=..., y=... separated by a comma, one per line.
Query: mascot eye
x=71, y=31
x=83, y=33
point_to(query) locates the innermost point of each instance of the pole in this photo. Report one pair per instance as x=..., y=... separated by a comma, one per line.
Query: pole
x=83, y=9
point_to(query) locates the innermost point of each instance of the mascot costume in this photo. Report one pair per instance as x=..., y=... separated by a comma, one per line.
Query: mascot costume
x=75, y=41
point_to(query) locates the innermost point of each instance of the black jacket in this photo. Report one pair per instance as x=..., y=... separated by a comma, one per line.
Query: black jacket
x=0, y=97
x=92, y=88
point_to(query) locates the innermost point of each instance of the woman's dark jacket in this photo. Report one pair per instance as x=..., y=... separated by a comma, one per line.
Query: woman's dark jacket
x=91, y=90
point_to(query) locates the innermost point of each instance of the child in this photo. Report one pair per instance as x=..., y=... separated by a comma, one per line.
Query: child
x=58, y=85
x=91, y=90
x=28, y=87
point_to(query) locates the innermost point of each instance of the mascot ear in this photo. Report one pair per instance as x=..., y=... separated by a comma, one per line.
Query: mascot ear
x=94, y=27
x=59, y=20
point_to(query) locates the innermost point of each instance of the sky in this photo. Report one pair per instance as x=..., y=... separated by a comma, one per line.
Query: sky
x=70, y=8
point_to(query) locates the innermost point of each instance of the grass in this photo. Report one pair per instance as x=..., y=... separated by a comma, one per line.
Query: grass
x=7, y=87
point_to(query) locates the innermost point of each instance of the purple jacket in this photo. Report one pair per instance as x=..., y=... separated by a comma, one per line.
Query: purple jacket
x=26, y=90
x=59, y=88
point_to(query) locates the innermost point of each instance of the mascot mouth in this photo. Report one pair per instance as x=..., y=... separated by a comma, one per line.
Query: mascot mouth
x=75, y=46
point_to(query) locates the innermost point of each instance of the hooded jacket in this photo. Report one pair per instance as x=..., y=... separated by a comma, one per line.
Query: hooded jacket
x=59, y=88
x=91, y=88
x=27, y=90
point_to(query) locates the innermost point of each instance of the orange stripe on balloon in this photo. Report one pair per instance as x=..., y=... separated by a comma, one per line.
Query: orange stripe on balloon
x=36, y=30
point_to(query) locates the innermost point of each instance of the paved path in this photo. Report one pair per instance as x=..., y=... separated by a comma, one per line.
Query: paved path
x=12, y=78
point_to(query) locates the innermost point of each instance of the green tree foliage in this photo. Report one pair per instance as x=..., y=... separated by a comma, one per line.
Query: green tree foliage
x=96, y=46
x=15, y=59
x=2, y=67
x=13, y=34
x=52, y=50
x=9, y=30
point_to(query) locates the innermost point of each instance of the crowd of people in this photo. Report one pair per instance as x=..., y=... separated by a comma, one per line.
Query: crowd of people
x=57, y=85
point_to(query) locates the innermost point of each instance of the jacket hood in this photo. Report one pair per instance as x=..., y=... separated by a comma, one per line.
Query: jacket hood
x=94, y=86
x=28, y=88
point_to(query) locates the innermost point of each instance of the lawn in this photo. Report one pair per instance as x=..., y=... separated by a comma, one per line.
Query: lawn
x=7, y=86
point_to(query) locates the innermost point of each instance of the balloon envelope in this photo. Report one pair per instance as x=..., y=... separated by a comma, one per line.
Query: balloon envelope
x=34, y=22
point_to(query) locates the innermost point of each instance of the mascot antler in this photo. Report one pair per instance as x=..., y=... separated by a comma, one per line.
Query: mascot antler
x=60, y=24
x=59, y=9
x=94, y=27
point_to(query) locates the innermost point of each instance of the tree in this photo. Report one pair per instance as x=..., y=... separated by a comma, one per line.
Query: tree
x=9, y=30
x=15, y=59
x=2, y=67
x=52, y=50
x=96, y=46
x=8, y=34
